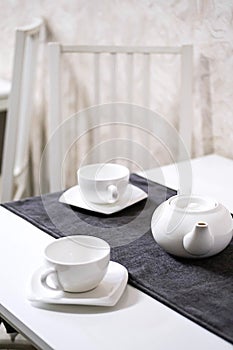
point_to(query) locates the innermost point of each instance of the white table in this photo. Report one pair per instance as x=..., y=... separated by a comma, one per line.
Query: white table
x=136, y=322
x=212, y=176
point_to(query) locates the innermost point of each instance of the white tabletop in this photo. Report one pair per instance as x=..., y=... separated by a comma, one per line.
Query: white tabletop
x=212, y=176
x=136, y=322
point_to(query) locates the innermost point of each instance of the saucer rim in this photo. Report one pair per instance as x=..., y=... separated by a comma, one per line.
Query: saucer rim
x=102, y=208
x=109, y=299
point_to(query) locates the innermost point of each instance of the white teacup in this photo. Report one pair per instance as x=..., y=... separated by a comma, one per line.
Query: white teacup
x=79, y=263
x=103, y=183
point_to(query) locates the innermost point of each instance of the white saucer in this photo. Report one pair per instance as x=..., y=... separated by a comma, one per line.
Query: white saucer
x=107, y=293
x=74, y=197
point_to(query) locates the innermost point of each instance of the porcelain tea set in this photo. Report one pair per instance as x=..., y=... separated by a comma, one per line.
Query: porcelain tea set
x=77, y=268
x=184, y=226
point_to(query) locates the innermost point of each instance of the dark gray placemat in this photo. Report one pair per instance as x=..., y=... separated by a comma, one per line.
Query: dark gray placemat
x=201, y=290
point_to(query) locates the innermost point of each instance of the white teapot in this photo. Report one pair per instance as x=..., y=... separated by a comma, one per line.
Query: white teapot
x=192, y=226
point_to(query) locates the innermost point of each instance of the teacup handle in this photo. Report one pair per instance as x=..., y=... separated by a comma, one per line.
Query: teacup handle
x=113, y=193
x=45, y=275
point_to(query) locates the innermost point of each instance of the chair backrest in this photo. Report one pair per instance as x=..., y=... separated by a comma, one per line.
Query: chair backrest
x=56, y=51
x=16, y=141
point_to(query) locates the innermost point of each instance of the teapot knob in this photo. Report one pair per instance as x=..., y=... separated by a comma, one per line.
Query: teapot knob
x=199, y=241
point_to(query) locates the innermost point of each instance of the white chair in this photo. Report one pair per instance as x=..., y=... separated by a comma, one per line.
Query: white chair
x=58, y=51
x=5, y=87
x=16, y=141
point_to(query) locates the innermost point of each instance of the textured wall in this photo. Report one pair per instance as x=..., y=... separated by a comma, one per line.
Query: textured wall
x=207, y=24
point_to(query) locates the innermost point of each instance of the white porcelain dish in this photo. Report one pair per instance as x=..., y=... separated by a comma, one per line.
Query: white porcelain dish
x=192, y=226
x=107, y=293
x=103, y=183
x=74, y=197
x=79, y=262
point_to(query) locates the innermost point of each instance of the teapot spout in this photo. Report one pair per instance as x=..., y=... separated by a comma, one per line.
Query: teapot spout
x=199, y=241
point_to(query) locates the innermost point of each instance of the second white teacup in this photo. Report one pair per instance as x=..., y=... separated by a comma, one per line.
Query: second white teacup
x=79, y=263
x=103, y=183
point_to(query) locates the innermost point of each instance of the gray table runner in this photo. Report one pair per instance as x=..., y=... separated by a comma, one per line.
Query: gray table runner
x=201, y=290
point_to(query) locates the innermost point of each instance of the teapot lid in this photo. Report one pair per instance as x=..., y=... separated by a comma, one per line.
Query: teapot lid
x=193, y=203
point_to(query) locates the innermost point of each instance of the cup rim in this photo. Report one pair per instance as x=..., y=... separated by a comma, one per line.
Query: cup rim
x=59, y=262
x=97, y=165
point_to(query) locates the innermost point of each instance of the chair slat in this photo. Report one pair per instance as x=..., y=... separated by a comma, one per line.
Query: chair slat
x=186, y=118
x=55, y=116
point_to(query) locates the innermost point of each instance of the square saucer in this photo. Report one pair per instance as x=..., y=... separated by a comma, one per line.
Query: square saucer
x=74, y=197
x=107, y=293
